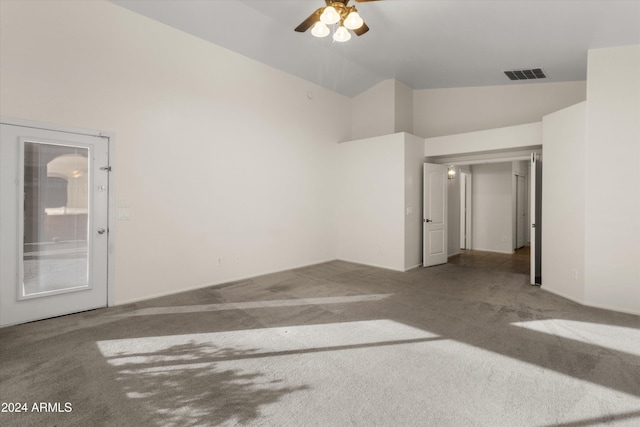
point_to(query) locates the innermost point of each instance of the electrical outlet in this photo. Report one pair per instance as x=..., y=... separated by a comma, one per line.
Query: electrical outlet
x=219, y=261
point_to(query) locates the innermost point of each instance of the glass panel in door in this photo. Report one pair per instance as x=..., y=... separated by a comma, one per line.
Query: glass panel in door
x=55, y=219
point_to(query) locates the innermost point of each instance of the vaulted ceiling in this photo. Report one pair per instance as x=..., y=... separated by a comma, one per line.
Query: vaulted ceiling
x=423, y=43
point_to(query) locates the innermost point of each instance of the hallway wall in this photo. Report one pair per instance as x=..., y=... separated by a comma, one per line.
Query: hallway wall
x=491, y=199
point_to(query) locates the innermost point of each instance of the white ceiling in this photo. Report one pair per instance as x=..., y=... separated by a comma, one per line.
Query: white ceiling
x=423, y=43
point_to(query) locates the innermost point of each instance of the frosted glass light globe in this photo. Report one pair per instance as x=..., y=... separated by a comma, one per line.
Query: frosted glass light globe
x=342, y=35
x=353, y=21
x=330, y=15
x=320, y=30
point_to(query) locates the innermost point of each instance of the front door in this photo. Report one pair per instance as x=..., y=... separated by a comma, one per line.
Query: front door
x=434, y=220
x=54, y=228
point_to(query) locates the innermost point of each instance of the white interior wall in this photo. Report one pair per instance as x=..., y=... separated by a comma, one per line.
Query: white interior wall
x=413, y=161
x=563, y=202
x=383, y=109
x=439, y=112
x=373, y=112
x=217, y=155
x=371, y=201
x=380, y=201
x=403, y=108
x=612, y=205
x=521, y=136
x=492, y=198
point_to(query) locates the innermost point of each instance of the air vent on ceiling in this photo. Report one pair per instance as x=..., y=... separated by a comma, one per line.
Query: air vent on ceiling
x=526, y=74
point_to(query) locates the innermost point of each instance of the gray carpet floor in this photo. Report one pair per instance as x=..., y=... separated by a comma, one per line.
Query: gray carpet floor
x=468, y=343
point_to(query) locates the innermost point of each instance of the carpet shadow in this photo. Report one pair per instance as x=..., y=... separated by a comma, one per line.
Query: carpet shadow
x=182, y=385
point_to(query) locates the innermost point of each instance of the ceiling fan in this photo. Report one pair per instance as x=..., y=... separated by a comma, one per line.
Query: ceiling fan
x=335, y=12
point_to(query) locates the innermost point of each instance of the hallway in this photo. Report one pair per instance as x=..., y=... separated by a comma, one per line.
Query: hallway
x=518, y=262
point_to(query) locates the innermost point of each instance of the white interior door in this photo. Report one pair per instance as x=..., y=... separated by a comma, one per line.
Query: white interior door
x=535, y=217
x=54, y=229
x=434, y=215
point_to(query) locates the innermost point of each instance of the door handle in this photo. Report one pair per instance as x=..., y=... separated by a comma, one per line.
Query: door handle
x=101, y=230
x=428, y=220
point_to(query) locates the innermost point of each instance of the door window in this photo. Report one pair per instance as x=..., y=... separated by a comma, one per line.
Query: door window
x=55, y=254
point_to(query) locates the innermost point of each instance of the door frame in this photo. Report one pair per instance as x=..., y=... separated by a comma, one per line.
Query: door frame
x=110, y=139
x=535, y=217
x=466, y=208
x=455, y=158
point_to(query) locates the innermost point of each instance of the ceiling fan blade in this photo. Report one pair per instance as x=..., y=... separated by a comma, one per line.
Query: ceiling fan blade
x=360, y=31
x=308, y=23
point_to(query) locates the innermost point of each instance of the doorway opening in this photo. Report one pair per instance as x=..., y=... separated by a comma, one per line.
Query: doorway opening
x=495, y=207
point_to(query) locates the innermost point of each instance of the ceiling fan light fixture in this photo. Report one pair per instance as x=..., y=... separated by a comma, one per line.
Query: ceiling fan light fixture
x=353, y=21
x=342, y=35
x=320, y=30
x=330, y=16
x=337, y=17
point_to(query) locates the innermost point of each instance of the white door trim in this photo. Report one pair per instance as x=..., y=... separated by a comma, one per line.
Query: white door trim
x=110, y=138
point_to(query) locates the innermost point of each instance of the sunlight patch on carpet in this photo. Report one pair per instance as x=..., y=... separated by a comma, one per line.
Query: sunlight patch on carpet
x=281, y=375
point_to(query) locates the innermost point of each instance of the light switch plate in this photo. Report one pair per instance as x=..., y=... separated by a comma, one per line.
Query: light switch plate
x=123, y=214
